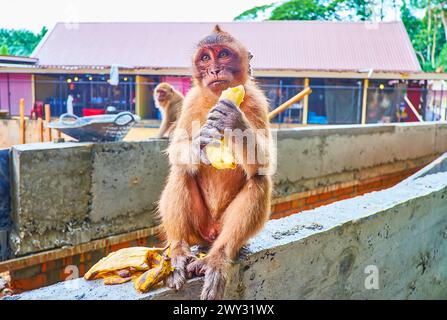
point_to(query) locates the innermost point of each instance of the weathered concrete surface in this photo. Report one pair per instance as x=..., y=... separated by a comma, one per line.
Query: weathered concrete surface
x=51, y=186
x=5, y=208
x=70, y=193
x=126, y=183
x=328, y=253
x=337, y=154
x=4, y=189
x=65, y=194
x=439, y=165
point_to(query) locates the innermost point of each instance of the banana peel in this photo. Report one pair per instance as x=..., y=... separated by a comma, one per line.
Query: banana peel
x=147, y=267
x=154, y=277
x=218, y=152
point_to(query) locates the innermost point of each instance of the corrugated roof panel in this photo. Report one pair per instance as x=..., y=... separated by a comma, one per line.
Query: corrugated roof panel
x=291, y=45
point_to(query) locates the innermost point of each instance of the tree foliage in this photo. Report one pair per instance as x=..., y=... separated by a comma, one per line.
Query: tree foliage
x=425, y=20
x=19, y=42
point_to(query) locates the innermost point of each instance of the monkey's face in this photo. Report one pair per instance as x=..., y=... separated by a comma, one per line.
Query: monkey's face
x=163, y=92
x=218, y=67
x=161, y=95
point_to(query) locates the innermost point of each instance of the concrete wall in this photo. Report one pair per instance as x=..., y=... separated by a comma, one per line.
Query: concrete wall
x=390, y=244
x=66, y=194
x=5, y=219
x=4, y=189
x=71, y=193
x=313, y=157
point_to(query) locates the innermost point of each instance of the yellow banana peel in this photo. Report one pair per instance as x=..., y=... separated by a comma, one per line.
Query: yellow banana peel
x=148, y=267
x=153, y=278
x=218, y=153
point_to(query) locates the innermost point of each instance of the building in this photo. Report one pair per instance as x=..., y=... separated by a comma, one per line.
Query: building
x=359, y=72
x=16, y=84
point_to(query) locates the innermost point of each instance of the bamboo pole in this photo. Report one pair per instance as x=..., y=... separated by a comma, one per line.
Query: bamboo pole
x=365, y=99
x=48, y=120
x=22, y=139
x=416, y=113
x=289, y=102
x=305, y=102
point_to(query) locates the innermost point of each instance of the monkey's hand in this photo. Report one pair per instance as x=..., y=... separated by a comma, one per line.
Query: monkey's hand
x=226, y=115
x=207, y=135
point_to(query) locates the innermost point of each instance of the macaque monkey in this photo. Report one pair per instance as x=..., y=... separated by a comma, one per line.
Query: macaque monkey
x=200, y=204
x=169, y=101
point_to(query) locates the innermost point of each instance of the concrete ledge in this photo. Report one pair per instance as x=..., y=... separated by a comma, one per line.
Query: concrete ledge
x=72, y=193
x=398, y=235
x=439, y=165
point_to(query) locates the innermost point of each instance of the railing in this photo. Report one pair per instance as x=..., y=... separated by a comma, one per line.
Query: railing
x=359, y=103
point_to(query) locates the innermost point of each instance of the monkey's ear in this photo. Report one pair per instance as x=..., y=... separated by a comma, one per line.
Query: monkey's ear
x=217, y=29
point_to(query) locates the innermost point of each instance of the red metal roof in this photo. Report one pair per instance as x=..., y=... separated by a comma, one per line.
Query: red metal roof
x=276, y=45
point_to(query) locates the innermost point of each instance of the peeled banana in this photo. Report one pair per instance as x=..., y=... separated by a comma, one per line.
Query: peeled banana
x=234, y=94
x=218, y=153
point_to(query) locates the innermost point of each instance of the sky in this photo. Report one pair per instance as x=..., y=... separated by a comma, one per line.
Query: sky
x=33, y=14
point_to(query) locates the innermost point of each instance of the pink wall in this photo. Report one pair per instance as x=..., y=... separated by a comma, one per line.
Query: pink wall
x=182, y=84
x=3, y=92
x=20, y=86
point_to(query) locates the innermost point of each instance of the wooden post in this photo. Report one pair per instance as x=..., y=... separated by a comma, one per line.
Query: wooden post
x=22, y=139
x=289, y=102
x=48, y=120
x=33, y=89
x=40, y=129
x=365, y=99
x=305, y=102
x=141, y=96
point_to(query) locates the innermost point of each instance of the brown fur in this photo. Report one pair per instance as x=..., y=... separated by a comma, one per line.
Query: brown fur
x=203, y=205
x=170, y=106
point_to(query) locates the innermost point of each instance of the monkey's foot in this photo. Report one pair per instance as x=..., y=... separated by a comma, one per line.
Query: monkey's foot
x=178, y=277
x=214, y=286
x=215, y=279
x=196, y=268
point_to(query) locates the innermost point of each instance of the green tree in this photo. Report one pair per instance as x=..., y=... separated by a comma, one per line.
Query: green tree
x=4, y=50
x=20, y=42
x=307, y=10
x=254, y=13
x=427, y=34
x=425, y=20
x=442, y=58
x=296, y=10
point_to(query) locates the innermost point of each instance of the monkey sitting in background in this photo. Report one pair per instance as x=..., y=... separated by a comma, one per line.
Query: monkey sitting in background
x=200, y=204
x=169, y=101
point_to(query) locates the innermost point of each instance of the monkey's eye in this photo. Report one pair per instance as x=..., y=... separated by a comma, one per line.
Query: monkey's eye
x=205, y=57
x=224, y=54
